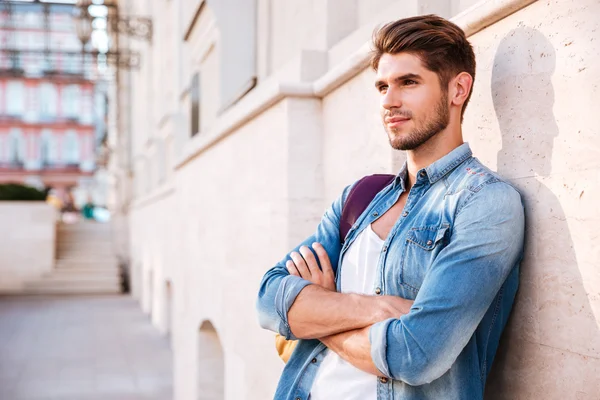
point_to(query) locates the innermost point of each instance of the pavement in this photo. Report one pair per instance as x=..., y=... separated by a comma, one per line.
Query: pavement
x=81, y=348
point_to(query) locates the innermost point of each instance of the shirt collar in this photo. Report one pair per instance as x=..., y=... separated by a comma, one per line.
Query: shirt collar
x=441, y=167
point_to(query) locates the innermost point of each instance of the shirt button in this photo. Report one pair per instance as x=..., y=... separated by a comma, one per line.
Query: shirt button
x=375, y=214
x=383, y=379
x=384, y=249
x=423, y=173
x=429, y=243
x=314, y=361
x=405, y=213
x=378, y=291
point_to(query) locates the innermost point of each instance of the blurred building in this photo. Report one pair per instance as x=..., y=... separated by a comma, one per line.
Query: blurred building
x=52, y=109
x=246, y=119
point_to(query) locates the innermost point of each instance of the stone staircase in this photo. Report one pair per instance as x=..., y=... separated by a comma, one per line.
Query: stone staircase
x=85, y=262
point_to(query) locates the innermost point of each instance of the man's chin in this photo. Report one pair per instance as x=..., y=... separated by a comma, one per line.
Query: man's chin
x=404, y=143
x=399, y=141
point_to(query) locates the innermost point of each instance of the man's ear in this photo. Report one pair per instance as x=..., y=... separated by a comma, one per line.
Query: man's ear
x=460, y=88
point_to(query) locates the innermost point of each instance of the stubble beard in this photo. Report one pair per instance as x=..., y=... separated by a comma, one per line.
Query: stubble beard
x=421, y=134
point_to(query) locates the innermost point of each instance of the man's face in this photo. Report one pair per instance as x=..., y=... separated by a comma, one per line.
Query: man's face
x=414, y=108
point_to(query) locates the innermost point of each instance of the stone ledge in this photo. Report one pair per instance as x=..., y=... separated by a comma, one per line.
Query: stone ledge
x=472, y=20
x=164, y=190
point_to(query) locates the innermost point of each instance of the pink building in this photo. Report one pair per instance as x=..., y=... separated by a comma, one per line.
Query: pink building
x=48, y=122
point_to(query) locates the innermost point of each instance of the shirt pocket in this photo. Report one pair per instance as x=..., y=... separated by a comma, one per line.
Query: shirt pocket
x=420, y=250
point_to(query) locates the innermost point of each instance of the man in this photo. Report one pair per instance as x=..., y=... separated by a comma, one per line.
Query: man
x=446, y=232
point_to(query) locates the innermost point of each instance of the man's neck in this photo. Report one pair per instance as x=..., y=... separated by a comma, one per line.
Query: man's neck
x=431, y=151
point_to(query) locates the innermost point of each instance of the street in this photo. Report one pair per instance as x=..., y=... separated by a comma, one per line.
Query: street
x=81, y=348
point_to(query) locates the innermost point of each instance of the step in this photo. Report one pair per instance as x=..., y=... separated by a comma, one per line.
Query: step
x=69, y=263
x=98, y=289
x=84, y=225
x=86, y=255
x=100, y=275
x=75, y=285
x=66, y=279
x=78, y=270
x=83, y=239
x=105, y=242
x=83, y=232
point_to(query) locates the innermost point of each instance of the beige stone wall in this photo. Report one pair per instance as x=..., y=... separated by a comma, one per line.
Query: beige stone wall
x=239, y=194
x=534, y=118
x=257, y=178
x=27, y=242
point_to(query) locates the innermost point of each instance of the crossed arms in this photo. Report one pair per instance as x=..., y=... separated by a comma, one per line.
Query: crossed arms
x=385, y=335
x=340, y=321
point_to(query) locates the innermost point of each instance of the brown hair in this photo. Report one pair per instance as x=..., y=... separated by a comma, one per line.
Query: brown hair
x=440, y=44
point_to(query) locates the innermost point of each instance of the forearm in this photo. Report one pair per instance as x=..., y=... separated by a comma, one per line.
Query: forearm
x=354, y=347
x=318, y=312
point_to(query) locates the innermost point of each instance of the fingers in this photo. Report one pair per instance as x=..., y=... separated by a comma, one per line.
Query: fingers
x=323, y=259
x=291, y=267
x=300, y=265
x=310, y=259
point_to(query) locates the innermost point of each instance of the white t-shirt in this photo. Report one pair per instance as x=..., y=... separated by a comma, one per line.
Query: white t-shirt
x=337, y=379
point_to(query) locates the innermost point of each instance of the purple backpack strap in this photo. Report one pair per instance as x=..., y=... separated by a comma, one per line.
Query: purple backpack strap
x=359, y=198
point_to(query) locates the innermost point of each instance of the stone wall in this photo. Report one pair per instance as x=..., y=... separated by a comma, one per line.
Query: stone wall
x=27, y=242
x=257, y=178
x=533, y=117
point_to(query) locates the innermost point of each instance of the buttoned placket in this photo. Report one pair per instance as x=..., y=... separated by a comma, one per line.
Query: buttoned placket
x=416, y=192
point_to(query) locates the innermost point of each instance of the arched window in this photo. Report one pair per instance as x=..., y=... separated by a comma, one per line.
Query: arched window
x=16, y=153
x=70, y=101
x=49, y=148
x=4, y=143
x=48, y=100
x=71, y=148
x=15, y=98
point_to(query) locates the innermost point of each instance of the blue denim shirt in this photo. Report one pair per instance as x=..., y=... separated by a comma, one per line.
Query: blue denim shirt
x=455, y=250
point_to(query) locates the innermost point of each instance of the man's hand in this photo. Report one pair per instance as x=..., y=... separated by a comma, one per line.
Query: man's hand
x=320, y=311
x=304, y=265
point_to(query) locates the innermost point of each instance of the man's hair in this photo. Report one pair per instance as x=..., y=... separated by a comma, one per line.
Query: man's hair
x=440, y=44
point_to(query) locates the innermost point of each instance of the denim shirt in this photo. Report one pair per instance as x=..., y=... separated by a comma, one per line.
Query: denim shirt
x=455, y=250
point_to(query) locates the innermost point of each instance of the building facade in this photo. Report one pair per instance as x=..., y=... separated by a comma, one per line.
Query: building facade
x=51, y=111
x=247, y=118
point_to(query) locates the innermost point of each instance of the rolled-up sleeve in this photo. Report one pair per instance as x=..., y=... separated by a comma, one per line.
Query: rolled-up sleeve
x=486, y=245
x=278, y=289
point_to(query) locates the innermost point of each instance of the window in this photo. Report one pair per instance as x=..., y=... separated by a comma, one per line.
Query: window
x=72, y=63
x=17, y=147
x=70, y=101
x=195, y=104
x=49, y=150
x=33, y=19
x=71, y=148
x=48, y=98
x=87, y=147
x=237, y=48
x=4, y=141
x=87, y=116
x=33, y=103
x=15, y=99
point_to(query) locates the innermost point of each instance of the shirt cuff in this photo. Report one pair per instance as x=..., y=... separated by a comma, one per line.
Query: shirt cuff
x=289, y=288
x=378, y=340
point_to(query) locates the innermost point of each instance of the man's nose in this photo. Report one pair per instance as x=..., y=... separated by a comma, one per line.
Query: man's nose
x=390, y=100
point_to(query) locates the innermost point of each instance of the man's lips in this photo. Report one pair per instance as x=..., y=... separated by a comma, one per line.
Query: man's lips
x=396, y=120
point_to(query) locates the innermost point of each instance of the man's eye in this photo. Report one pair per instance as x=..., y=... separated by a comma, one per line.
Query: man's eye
x=410, y=82
x=382, y=88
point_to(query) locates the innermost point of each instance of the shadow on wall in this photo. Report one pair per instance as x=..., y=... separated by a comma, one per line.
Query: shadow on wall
x=552, y=328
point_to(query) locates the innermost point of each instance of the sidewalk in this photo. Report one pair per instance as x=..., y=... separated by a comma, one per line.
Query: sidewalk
x=81, y=348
